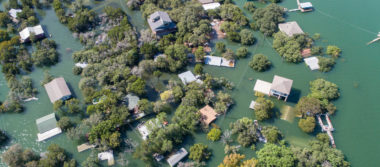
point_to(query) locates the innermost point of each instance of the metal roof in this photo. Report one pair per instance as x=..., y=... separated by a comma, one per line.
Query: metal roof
x=290, y=28
x=46, y=123
x=211, y=6
x=178, y=156
x=160, y=21
x=262, y=87
x=206, y=1
x=25, y=33
x=306, y=5
x=312, y=62
x=13, y=12
x=57, y=89
x=281, y=84
x=187, y=77
x=132, y=101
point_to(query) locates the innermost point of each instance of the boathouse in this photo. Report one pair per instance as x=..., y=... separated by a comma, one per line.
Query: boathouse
x=290, y=28
x=188, y=77
x=281, y=87
x=208, y=114
x=47, y=127
x=209, y=4
x=312, y=62
x=132, y=101
x=176, y=157
x=26, y=32
x=57, y=89
x=305, y=6
x=161, y=24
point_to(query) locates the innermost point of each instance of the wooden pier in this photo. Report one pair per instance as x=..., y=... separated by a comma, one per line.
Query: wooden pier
x=327, y=128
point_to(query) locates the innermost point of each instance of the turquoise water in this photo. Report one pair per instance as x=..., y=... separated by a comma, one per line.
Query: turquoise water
x=341, y=23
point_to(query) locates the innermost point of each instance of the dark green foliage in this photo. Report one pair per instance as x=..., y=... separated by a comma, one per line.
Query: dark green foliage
x=3, y=36
x=317, y=50
x=246, y=37
x=56, y=157
x=266, y=19
x=137, y=86
x=229, y=54
x=148, y=50
x=73, y=105
x=198, y=69
x=307, y=125
x=176, y=57
x=274, y=155
x=64, y=123
x=4, y=19
x=324, y=91
x=145, y=106
x=260, y=63
x=271, y=133
x=245, y=130
x=82, y=20
x=308, y=106
x=333, y=50
x=16, y=156
x=242, y=52
x=77, y=70
x=230, y=12
x=199, y=152
x=45, y=55
x=326, y=64
x=220, y=47
x=288, y=48
x=187, y=117
x=250, y=6
x=3, y=138
x=263, y=108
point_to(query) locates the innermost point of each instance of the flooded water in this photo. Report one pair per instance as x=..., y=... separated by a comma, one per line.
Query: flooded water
x=356, y=73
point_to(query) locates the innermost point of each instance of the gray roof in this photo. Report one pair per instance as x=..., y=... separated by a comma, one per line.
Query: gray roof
x=290, y=28
x=206, y=1
x=132, y=101
x=281, y=84
x=57, y=89
x=187, y=77
x=13, y=12
x=175, y=158
x=46, y=123
x=160, y=21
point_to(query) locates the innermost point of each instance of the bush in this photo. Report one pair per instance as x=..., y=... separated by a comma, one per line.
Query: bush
x=214, y=134
x=242, y=52
x=220, y=47
x=199, y=152
x=307, y=125
x=198, y=69
x=77, y=70
x=333, y=51
x=246, y=37
x=326, y=64
x=250, y=6
x=64, y=123
x=263, y=108
x=260, y=63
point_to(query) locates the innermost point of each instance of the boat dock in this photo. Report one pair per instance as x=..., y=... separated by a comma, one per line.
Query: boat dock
x=327, y=128
x=376, y=39
x=84, y=147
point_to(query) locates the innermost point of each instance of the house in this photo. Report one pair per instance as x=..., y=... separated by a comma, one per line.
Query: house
x=290, y=28
x=161, y=24
x=108, y=155
x=281, y=87
x=81, y=65
x=13, y=14
x=208, y=114
x=176, y=157
x=47, y=127
x=146, y=128
x=205, y=1
x=209, y=4
x=252, y=105
x=312, y=62
x=26, y=32
x=57, y=89
x=306, y=52
x=219, y=61
x=188, y=77
x=305, y=7
x=132, y=101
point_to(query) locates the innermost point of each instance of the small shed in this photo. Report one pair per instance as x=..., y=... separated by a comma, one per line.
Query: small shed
x=108, y=155
x=281, y=87
x=262, y=87
x=26, y=32
x=211, y=6
x=47, y=127
x=252, y=105
x=177, y=156
x=13, y=14
x=208, y=114
x=219, y=61
x=132, y=101
x=312, y=62
x=290, y=28
x=306, y=52
x=306, y=6
x=205, y=1
x=188, y=77
x=57, y=89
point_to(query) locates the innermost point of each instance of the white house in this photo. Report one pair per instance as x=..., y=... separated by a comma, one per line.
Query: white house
x=26, y=32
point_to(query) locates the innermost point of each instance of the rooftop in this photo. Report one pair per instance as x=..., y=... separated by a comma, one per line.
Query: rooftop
x=178, y=156
x=262, y=87
x=205, y=1
x=57, y=89
x=208, y=114
x=281, y=84
x=211, y=6
x=47, y=127
x=312, y=62
x=107, y=156
x=160, y=21
x=219, y=61
x=132, y=101
x=25, y=33
x=306, y=5
x=290, y=28
x=187, y=77
x=13, y=12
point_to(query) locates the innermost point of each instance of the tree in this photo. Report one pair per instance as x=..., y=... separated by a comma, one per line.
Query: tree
x=289, y=48
x=274, y=155
x=200, y=53
x=308, y=106
x=4, y=18
x=137, y=86
x=148, y=50
x=220, y=47
x=260, y=63
x=198, y=69
x=229, y=54
x=326, y=64
x=73, y=105
x=64, y=123
x=187, y=117
x=232, y=160
x=317, y=50
x=214, y=134
x=3, y=137
x=16, y=156
x=242, y=52
x=46, y=54
x=246, y=37
x=271, y=133
x=333, y=50
x=146, y=106
x=263, y=108
x=266, y=19
x=307, y=125
x=250, y=6
x=324, y=91
x=245, y=130
x=199, y=152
